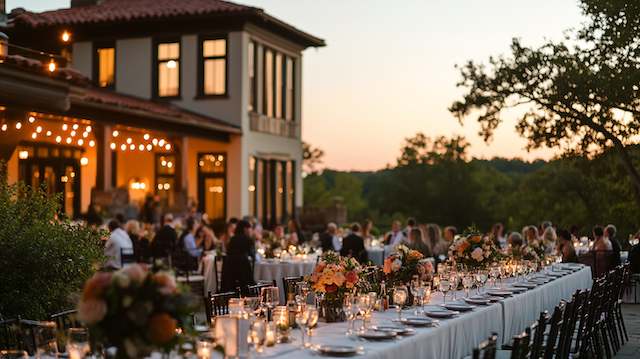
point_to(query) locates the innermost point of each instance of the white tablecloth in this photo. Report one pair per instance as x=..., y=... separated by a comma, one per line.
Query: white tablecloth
x=378, y=254
x=452, y=338
x=210, y=279
x=268, y=270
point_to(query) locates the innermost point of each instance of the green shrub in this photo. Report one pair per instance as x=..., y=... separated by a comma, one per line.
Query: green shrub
x=43, y=261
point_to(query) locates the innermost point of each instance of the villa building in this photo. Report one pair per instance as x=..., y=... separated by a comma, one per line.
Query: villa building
x=192, y=101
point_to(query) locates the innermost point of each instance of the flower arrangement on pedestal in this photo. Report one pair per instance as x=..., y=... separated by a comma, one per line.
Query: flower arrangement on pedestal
x=474, y=250
x=135, y=310
x=333, y=277
x=400, y=267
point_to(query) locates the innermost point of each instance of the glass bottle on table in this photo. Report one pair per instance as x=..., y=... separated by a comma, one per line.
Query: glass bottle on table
x=384, y=296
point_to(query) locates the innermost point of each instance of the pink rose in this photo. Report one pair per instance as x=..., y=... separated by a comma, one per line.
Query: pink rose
x=92, y=311
x=135, y=272
x=95, y=286
x=166, y=282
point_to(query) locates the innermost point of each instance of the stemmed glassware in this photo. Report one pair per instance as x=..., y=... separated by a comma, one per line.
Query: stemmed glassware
x=494, y=272
x=302, y=292
x=399, y=299
x=364, y=303
x=454, y=280
x=302, y=319
x=312, y=321
x=77, y=343
x=417, y=289
x=351, y=309
x=270, y=298
x=445, y=286
x=467, y=283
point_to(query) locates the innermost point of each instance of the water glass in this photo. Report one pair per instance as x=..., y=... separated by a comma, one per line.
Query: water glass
x=46, y=340
x=270, y=298
x=302, y=319
x=467, y=283
x=77, y=343
x=445, y=286
x=399, y=299
x=312, y=321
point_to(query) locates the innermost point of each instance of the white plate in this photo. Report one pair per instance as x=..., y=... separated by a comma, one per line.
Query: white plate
x=337, y=350
x=440, y=313
x=377, y=335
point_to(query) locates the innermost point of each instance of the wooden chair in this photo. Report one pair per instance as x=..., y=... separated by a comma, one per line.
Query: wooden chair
x=217, y=271
x=127, y=256
x=538, y=329
x=65, y=320
x=521, y=345
x=289, y=285
x=218, y=304
x=10, y=334
x=486, y=349
x=254, y=290
x=554, y=327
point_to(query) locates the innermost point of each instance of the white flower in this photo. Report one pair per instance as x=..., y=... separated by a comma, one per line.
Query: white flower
x=395, y=265
x=477, y=254
x=121, y=279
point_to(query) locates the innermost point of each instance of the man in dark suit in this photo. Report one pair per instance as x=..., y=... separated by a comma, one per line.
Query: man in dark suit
x=166, y=238
x=353, y=245
x=610, y=232
x=329, y=240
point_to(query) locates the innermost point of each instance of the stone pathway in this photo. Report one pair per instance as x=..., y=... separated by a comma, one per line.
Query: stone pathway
x=631, y=349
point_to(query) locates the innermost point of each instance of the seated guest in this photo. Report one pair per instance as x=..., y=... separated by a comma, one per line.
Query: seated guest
x=530, y=234
x=329, y=240
x=411, y=224
x=140, y=244
x=366, y=231
x=498, y=235
x=434, y=240
x=610, y=233
x=295, y=233
x=236, y=266
x=353, y=245
x=229, y=230
x=515, y=240
x=565, y=247
x=118, y=240
x=416, y=242
x=396, y=236
x=165, y=239
x=600, y=242
x=188, y=238
x=549, y=238
x=450, y=234
x=205, y=238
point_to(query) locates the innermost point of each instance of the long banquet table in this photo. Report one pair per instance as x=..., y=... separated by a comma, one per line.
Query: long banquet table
x=451, y=338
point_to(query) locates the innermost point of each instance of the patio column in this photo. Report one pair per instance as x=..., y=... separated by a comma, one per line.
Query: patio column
x=181, y=151
x=104, y=167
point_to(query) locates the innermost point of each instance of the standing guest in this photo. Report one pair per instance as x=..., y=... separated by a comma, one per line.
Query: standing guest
x=450, y=234
x=610, y=232
x=236, y=266
x=549, y=238
x=600, y=242
x=366, y=231
x=295, y=232
x=396, y=236
x=188, y=238
x=417, y=242
x=434, y=240
x=166, y=238
x=118, y=240
x=229, y=230
x=411, y=224
x=329, y=240
x=565, y=247
x=139, y=242
x=497, y=233
x=353, y=245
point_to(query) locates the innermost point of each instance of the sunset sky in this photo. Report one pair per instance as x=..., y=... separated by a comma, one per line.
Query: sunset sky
x=388, y=69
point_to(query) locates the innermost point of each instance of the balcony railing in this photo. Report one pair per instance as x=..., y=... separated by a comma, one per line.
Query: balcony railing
x=274, y=126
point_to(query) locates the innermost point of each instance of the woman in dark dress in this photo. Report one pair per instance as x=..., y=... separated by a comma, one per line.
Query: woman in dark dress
x=237, y=264
x=565, y=247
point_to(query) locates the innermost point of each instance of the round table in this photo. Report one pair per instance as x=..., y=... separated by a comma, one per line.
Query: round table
x=275, y=269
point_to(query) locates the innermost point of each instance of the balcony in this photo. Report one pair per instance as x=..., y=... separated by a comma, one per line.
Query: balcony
x=273, y=126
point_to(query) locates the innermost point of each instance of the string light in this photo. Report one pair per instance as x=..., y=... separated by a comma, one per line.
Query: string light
x=80, y=142
x=18, y=125
x=32, y=119
x=23, y=155
x=84, y=161
x=65, y=127
x=146, y=137
x=88, y=129
x=132, y=147
x=34, y=135
x=167, y=147
x=149, y=147
x=39, y=129
x=52, y=66
x=123, y=147
x=141, y=147
x=58, y=139
x=129, y=140
x=73, y=133
x=161, y=143
x=113, y=146
x=92, y=143
x=154, y=141
x=48, y=133
x=75, y=126
x=115, y=133
x=68, y=140
x=85, y=134
x=4, y=127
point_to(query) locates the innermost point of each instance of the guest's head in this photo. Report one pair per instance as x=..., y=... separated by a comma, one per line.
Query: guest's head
x=515, y=239
x=189, y=225
x=530, y=233
x=549, y=235
x=132, y=227
x=243, y=228
x=546, y=224
x=574, y=230
x=355, y=227
x=415, y=236
x=610, y=230
x=450, y=233
x=564, y=236
x=332, y=228
x=367, y=226
x=411, y=222
x=113, y=225
x=230, y=228
x=278, y=231
x=497, y=230
x=598, y=232
x=120, y=218
x=167, y=219
x=395, y=226
x=432, y=233
x=233, y=220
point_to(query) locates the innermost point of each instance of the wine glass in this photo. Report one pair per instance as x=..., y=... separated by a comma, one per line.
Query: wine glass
x=467, y=283
x=351, y=309
x=302, y=319
x=312, y=321
x=253, y=304
x=258, y=334
x=445, y=286
x=77, y=343
x=47, y=343
x=399, y=298
x=270, y=298
x=364, y=302
x=454, y=278
x=417, y=289
x=302, y=292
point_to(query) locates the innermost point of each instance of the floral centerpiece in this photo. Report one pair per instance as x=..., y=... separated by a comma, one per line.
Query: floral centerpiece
x=333, y=277
x=522, y=252
x=474, y=250
x=539, y=248
x=400, y=267
x=269, y=245
x=135, y=310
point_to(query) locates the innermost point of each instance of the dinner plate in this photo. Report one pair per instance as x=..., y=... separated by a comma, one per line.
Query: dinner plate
x=397, y=329
x=477, y=301
x=529, y=285
x=461, y=307
x=500, y=293
x=494, y=299
x=440, y=313
x=377, y=334
x=516, y=289
x=417, y=321
x=337, y=350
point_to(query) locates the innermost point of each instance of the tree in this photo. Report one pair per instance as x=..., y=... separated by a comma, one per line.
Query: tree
x=420, y=149
x=580, y=94
x=311, y=157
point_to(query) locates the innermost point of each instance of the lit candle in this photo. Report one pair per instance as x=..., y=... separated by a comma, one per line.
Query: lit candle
x=281, y=321
x=204, y=349
x=271, y=335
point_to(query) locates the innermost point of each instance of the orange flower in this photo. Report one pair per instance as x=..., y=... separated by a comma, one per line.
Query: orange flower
x=413, y=254
x=387, y=266
x=351, y=277
x=166, y=282
x=331, y=288
x=95, y=286
x=462, y=247
x=162, y=328
x=476, y=239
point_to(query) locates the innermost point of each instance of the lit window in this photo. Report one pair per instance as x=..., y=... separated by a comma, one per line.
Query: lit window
x=278, y=85
x=252, y=76
x=106, y=66
x=290, y=89
x=168, y=65
x=268, y=83
x=214, y=63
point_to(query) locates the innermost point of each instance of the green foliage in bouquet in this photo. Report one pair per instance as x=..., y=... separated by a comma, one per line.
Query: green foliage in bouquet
x=43, y=260
x=334, y=276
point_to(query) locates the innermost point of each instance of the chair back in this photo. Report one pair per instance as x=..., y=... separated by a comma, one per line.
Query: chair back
x=289, y=285
x=254, y=290
x=10, y=334
x=539, y=328
x=601, y=262
x=65, y=320
x=554, y=328
x=218, y=304
x=486, y=349
x=217, y=271
x=127, y=256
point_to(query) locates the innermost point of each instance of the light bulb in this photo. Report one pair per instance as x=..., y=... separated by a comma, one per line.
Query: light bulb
x=32, y=119
x=92, y=143
x=39, y=129
x=115, y=133
x=146, y=136
x=64, y=127
x=113, y=146
x=18, y=125
x=88, y=129
x=80, y=142
x=75, y=126
x=58, y=139
x=123, y=147
x=129, y=140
